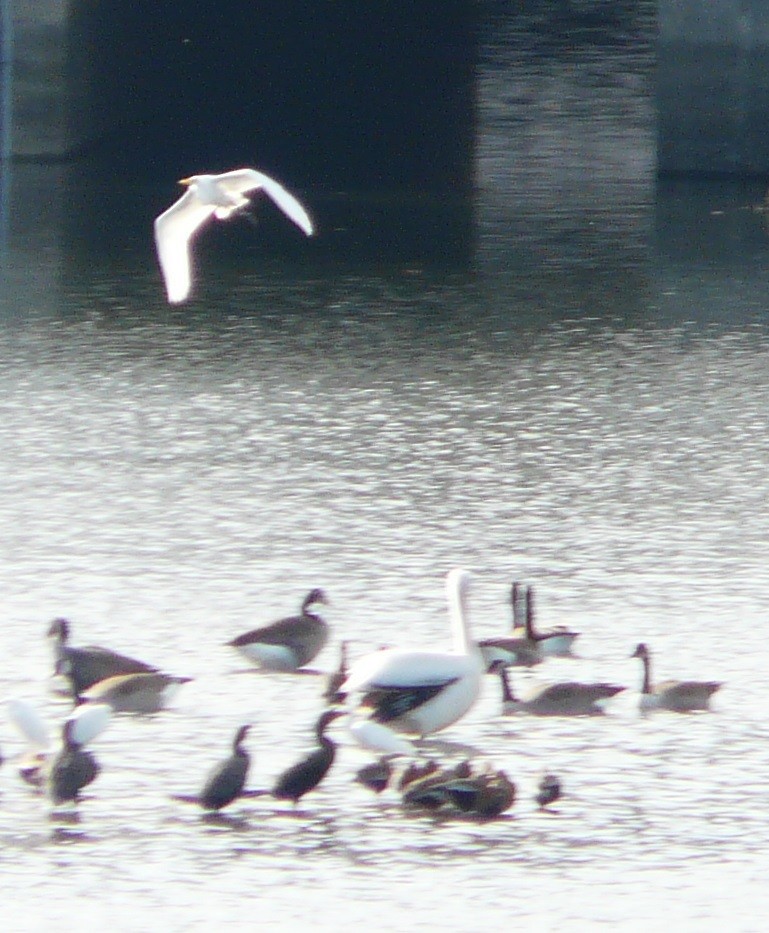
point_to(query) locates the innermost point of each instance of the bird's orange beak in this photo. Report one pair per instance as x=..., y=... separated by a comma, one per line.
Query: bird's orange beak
x=185, y=181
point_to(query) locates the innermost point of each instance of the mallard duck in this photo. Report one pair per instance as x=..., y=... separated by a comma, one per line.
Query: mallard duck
x=421, y=692
x=289, y=643
x=678, y=696
x=484, y=792
x=307, y=773
x=549, y=791
x=376, y=775
x=89, y=664
x=568, y=698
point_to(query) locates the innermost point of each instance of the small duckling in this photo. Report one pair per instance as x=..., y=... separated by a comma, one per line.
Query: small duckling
x=548, y=792
x=376, y=775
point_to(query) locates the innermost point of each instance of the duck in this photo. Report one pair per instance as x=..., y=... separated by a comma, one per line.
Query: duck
x=678, y=696
x=227, y=779
x=308, y=772
x=419, y=692
x=557, y=643
x=568, y=698
x=376, y=775
x=89, y=664
x=416, y=771
x=548, y=791
x=478, y=791
x=332, y=694
x=290, y=643
x=134, y=693
x=72, y=769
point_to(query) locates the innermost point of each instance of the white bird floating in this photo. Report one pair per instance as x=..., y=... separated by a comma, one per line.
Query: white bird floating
x=208, y=196
x=421, y=692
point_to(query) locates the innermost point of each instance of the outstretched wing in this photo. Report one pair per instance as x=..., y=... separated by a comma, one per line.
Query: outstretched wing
x=173, y=230
x=243, y=180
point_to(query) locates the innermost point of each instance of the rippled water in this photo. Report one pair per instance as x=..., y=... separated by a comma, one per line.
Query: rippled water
x=587, y=419
x=172, y=478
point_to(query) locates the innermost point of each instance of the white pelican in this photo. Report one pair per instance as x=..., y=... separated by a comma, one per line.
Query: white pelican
x=421, y=692
x=208, y=196
x=679, y=696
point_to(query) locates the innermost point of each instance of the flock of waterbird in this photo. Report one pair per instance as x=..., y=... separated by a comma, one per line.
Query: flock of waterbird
x=392, y=699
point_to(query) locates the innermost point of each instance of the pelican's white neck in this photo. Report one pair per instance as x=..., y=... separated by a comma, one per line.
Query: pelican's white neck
x=457, y=586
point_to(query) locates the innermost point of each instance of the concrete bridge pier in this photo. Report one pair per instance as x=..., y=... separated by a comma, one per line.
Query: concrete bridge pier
x=713, y=87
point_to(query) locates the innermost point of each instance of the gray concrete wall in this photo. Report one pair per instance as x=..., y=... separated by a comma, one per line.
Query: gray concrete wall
x=39, y=83
x=713, y=86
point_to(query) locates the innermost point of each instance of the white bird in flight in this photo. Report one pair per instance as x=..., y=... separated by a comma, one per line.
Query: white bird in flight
x=219, y=196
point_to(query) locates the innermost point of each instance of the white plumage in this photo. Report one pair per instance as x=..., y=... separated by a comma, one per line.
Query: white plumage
x=421, y=692
x=209, y=196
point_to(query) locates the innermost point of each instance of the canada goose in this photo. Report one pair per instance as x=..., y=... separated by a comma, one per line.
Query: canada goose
x=557, y=643
x=513, y=652
x=517, y=603
x=332, y=694
x=678, y=696
x=516, y=649
x=307, y=773
x=421, y=692
x=569, y=698
x=289, y=643
x=89, y=664
x=72, y=769
x=135, y=693
x=226, y=781
x=549, y=791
